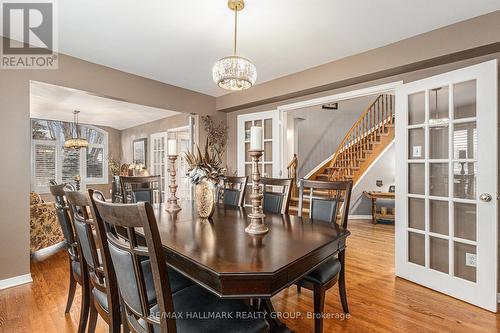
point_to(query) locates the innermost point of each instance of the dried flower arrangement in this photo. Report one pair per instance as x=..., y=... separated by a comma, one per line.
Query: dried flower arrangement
x=206, y=166
x=216, y=135
x=114, y=165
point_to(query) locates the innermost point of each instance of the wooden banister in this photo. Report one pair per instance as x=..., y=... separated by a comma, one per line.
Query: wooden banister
x=292, y=173
x=363, y=133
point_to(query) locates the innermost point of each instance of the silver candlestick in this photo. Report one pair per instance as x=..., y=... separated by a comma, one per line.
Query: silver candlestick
x=256, y=225
x=172, y=205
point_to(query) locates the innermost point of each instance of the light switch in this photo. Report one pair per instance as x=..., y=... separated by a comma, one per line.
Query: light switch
x=417, y=151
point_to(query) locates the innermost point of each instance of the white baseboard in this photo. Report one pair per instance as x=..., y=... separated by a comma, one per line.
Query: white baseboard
x=360, y=217
x=15, y=281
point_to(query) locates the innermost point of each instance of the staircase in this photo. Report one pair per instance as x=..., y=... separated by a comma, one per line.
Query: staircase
x=362, y=144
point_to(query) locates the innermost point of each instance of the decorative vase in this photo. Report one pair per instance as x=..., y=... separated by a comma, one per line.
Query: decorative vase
x=206, y=198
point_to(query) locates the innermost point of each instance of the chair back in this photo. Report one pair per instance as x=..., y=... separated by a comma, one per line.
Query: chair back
x=326, y=207
x=64, y=218
x=140, y=188
x=276, y=202
x=234, y=190
x=126, y=253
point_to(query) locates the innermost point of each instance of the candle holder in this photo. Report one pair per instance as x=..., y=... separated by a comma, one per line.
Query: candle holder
x=172, y=205
x=256, y=225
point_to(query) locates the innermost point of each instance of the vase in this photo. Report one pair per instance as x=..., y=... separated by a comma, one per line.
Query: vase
x=206, y=198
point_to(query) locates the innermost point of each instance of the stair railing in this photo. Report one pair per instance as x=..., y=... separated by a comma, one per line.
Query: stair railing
x=292, y=173
x=364, y=131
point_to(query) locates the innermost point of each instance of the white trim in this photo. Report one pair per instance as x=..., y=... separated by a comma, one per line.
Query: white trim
x=360, y=217
x=383, y=88
x=15, y=281
x=285, y=155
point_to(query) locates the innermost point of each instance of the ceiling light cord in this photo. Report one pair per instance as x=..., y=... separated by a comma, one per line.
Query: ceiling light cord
x=235, y=30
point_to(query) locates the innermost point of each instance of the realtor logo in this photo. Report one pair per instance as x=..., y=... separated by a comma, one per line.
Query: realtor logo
x=30, y=33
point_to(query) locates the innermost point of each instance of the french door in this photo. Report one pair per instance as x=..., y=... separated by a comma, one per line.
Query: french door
x=270, y=165
x=446, y=184
x=158, y=161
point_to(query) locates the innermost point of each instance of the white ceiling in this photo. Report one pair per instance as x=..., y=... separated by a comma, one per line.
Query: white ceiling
x=58, y=103
x=177, y=42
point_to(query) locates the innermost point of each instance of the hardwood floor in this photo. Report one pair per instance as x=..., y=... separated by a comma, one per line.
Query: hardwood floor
x=378, y=301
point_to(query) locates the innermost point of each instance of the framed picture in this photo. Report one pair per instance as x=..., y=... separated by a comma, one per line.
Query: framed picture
x=139, y=151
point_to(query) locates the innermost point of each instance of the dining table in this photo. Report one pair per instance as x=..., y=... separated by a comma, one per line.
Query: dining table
x=220, y=256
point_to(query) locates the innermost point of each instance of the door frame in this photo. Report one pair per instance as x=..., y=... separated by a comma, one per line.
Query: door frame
x=285, y=153
x=404, y=268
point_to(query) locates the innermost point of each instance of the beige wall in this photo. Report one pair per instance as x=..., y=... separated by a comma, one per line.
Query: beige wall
x=15, y=128
x=145, y=130
x=407, y=55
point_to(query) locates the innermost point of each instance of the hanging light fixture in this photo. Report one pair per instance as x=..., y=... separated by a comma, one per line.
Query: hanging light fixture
x=234, y=72
x=76, y=142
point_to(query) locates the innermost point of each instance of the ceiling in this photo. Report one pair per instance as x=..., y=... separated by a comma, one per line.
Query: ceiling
x=58, y=103
x=177, y=42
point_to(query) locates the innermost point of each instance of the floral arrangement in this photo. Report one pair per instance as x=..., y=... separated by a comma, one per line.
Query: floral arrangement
x=113, y=165
x=216, y=135
x=204, y=167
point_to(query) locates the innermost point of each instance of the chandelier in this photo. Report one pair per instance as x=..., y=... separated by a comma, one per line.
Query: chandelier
x=76, y=142
x=234, y=72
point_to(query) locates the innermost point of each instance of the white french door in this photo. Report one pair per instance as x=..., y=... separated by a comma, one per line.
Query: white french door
x=270, y=164
x=446, y=183
x=157, y=165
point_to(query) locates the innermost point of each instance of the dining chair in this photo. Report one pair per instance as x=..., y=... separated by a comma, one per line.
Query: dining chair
x=77, y=273
x=104, y=292
x=276, y=193
x=326, y=208
x=141, y=188
x=170, y=313
x=234, y=190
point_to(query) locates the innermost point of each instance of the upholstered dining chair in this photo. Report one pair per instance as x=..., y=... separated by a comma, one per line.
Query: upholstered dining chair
x=276, y=193
x=142, y=316
x=141, y=188
x=326, y=208
x=77, y=271
x=104, y=292
x=234, y=190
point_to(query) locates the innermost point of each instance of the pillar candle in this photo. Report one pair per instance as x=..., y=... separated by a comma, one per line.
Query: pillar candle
x=256, y=142
x=172, y=147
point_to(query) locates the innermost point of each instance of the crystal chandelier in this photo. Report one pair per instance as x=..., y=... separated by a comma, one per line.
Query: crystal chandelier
x=76, y=142
x=234, y=72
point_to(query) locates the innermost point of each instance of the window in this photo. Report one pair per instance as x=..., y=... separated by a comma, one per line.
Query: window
x=50, y=160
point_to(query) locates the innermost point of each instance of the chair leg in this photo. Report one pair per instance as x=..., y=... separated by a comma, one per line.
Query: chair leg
x=72, y=289
x=85, y=306
x=125, y=328
x=319, y=306
x=299, y=289
x=342, y=291
x=92, y=317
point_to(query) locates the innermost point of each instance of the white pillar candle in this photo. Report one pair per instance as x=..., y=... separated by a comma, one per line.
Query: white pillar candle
x=172, y=147
x=256, y=141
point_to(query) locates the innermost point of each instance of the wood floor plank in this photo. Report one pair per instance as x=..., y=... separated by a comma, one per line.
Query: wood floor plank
x=378, y=301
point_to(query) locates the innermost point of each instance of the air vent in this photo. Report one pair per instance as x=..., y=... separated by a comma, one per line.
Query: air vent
x=330, y=106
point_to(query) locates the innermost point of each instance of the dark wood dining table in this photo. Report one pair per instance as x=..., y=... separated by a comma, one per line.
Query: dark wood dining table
x=219, y=255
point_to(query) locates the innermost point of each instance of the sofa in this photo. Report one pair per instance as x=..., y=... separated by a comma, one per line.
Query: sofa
x=44, y=227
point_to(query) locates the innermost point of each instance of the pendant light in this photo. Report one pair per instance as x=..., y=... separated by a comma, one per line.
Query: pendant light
x=234, y=72
x=76, y=142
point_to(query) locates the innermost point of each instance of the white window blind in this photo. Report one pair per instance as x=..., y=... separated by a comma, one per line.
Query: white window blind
x=44, y=163
x=51, y=161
